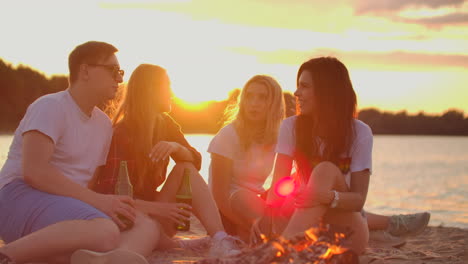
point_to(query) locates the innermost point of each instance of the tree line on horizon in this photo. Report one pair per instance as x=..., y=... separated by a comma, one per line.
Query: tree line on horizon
x=20, y=86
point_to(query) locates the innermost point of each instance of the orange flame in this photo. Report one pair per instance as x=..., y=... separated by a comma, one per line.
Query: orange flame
x=311, y=233
x=332, y=250
x=328, y=245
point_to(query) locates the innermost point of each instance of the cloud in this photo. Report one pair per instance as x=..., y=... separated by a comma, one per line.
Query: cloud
x=385, y=6
x=455, y=11
x=396, y=60
x=438, y=21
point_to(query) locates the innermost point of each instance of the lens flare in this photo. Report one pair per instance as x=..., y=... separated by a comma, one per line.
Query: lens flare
x=285, y=186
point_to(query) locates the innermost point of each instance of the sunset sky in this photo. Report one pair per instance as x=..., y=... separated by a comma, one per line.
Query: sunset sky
x=402, y=54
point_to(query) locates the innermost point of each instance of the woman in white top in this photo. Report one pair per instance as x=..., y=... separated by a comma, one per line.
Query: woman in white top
x=242, y=153
x=332, y=151
x=242, y=157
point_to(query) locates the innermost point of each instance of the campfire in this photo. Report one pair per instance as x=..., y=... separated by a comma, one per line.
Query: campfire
x=317, y=245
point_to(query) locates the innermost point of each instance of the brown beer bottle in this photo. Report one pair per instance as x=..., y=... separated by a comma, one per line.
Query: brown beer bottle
x=184, y=195
x=124, y=186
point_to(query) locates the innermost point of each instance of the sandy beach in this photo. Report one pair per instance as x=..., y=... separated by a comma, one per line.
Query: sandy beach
x=437, y=244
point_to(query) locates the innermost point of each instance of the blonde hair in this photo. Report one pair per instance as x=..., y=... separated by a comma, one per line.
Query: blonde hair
x=236, y=115
x=141, y=114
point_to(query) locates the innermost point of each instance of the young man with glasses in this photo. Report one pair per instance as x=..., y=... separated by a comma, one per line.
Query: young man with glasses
x=46, y=210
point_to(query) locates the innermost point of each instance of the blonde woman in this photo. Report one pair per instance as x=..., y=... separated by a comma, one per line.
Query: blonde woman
x=242, y=153
x=146, y=137
x=242, y=157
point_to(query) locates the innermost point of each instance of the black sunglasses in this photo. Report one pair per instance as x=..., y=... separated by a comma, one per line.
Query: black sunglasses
x=111, y=68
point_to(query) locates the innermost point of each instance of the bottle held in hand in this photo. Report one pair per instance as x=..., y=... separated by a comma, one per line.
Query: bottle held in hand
x=184, y=195
x=124, y=186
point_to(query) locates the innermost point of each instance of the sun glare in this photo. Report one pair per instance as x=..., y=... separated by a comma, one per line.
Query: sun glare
x=191, y=106
x=211, y=47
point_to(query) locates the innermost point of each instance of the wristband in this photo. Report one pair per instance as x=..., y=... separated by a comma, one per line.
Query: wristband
x=336, y=197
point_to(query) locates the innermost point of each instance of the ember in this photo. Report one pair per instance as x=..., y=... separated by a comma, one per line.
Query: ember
x=319, y=245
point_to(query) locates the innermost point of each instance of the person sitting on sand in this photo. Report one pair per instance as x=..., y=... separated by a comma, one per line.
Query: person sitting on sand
x=242, y=153
x=146, y=137
x=332, y=151
x=47, y=211
x=237, y=180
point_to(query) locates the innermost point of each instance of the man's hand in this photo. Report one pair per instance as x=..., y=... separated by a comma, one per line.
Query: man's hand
x=163, y=149
x=115, y=205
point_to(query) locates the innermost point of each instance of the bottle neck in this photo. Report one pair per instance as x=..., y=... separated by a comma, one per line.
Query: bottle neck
x=185, y=188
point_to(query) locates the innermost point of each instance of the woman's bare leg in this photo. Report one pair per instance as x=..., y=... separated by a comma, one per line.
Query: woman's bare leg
x=203, y=204
x=143, y=237
x=325, y=177
x=377, y=222
x=358, y=224
x=249, y=207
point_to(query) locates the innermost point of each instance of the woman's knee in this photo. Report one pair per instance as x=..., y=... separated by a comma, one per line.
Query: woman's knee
x=183, y=165
x=326, y=168
x=327, y=171
x=179, y=168
x=242, y=200
x=106, y=235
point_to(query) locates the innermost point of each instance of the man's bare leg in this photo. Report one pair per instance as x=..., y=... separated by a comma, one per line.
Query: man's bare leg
x=64, y=238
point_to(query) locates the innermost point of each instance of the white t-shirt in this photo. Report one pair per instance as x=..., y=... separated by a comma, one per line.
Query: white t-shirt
x=361, y=149
x=250, y=168
x=81, y=141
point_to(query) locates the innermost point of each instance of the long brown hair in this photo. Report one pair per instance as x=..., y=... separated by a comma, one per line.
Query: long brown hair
x=330, y=126
x=275, y=108
x=141, y=115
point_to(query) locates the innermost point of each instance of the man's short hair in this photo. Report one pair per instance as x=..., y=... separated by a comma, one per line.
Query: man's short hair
x=88, y=53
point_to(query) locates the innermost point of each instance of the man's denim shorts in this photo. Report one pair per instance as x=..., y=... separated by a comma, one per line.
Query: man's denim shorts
x=24, y=210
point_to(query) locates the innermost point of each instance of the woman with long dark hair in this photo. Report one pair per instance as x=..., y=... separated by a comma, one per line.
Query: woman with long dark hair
x=332, y=151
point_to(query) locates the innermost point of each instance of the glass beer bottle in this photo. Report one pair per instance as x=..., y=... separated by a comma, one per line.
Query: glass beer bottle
x=184, y=195
x=124, y=186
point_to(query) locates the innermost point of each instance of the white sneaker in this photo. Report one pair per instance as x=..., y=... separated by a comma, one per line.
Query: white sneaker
x=225, y=247
x=117, y=256
x=410, y=224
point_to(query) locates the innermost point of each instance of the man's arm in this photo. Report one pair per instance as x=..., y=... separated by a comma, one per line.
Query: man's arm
x=40, y=174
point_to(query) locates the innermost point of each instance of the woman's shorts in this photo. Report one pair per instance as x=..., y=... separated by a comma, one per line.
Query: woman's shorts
x=24, y=210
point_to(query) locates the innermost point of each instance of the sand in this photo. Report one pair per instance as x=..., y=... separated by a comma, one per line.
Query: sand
x=434, y=245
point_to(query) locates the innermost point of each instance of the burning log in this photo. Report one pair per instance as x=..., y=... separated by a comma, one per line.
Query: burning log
x=317, y=245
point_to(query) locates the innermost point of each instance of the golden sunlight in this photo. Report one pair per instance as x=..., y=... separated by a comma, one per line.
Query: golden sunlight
x=189, y=105
x=212, y=47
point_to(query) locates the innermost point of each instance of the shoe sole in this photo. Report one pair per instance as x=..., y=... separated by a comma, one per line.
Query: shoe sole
x=118, y=256
x=379, y=240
